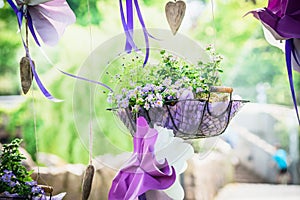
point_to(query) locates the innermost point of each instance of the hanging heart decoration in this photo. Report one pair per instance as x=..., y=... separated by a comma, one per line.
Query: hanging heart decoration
x=175, y=12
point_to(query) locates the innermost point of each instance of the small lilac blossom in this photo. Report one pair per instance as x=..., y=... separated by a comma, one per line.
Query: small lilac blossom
x=37, y=190
x=170, y=97
x=124, y=103
x=118, y=97
x=7, y=194
x=7, y=176
x=150, y=97
x=178, y=83
x=131, y=94
x=31, y=183
x=167, y=82
x=148, y=88
x=110, y=98
x=124, y=91
x=12, y=184
x=159, y=88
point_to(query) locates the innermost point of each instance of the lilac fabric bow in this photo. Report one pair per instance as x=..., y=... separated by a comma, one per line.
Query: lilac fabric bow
x=49, y=18
x=142, y=172
x=282, y=19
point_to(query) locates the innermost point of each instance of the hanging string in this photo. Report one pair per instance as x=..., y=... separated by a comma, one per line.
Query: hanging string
x=90, y=170
x=33, y=109
x=214, y=24
x=91, y=100
x=35, y=132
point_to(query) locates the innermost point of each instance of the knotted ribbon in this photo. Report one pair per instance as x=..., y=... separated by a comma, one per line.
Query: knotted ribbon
x=49, y=18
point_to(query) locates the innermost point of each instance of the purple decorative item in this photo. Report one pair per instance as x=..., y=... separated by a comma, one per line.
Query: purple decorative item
x=49, y=18
x=142, y=172
x=128, y=26
x=282, y=19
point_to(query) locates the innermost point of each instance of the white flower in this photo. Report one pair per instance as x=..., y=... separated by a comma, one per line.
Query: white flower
x=158, y=96
x=147, y=106
x=1, y=3
x=177, y=152
x=158, y=104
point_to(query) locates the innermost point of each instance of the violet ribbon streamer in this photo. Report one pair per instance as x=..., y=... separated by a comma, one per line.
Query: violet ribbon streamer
x=20, y=14
x=128, y=26
x=142, y=172
x=289, y=48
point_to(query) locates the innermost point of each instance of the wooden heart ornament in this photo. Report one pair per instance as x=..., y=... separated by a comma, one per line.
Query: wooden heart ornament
x=175, y=12
x=26, y=74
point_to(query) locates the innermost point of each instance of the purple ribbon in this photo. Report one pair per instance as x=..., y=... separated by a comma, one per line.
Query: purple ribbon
x=128, y=26
x=289, y=49
x=86, y=79
x=20, y=14
x=142, y=172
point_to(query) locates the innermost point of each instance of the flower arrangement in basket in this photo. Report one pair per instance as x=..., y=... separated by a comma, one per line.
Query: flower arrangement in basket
x=175, y=94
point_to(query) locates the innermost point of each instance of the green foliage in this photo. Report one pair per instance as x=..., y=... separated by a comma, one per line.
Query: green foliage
x=157, y=84
x=20, y=120
x=13, y=174
x=80, y=7
x=9, y=45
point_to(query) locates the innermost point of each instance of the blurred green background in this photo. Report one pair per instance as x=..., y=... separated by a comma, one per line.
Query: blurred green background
x=249, y=62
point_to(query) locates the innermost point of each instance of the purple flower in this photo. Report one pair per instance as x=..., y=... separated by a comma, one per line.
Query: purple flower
x=7, y=194
x=142, y=172
x=31, y=183
x=7, y=176
x=37, y=190
x=124, y=103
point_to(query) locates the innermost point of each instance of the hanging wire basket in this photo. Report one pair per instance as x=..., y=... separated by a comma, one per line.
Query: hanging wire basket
x=188, y=118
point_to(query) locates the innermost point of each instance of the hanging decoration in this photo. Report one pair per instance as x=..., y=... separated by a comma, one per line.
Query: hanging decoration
x=26, y=74
x=152, y=166
x=175, y=13
x=48, y=18
x=282, y=19
x=128, y=26
x=87, y=182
